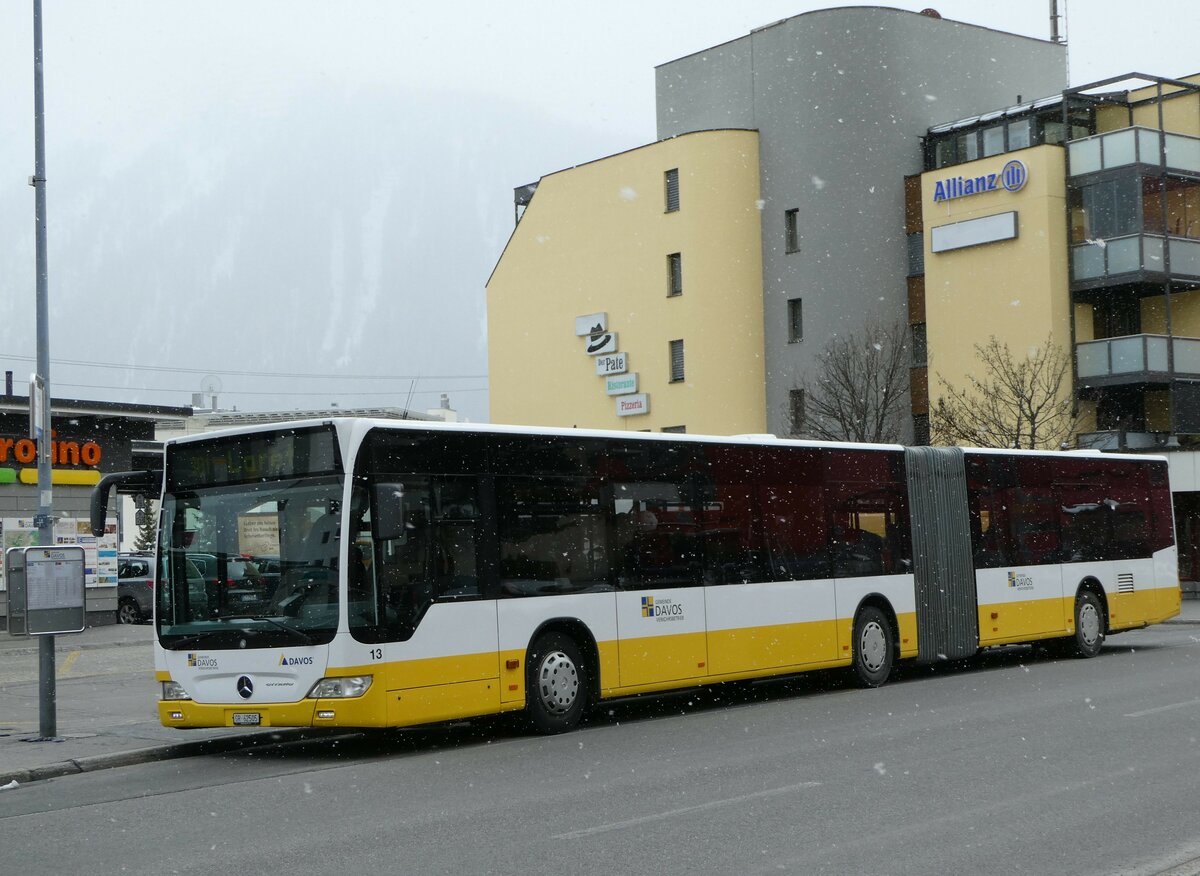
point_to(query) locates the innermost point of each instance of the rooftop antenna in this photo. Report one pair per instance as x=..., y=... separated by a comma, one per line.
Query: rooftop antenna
x=408, y=401
x=210, y=386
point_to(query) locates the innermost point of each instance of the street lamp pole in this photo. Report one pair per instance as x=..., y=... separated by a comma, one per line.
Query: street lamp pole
x=47, y=700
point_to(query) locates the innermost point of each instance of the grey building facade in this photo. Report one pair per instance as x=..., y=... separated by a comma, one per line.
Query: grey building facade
x=841, y=99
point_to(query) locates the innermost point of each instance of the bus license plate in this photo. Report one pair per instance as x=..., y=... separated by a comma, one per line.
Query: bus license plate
x=247, y=718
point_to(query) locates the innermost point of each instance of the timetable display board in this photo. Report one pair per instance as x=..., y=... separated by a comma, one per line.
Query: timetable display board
x=54, y=582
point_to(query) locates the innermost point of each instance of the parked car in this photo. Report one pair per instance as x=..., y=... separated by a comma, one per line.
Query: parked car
x=240, y=588
x=135, y=588
x=269, y=571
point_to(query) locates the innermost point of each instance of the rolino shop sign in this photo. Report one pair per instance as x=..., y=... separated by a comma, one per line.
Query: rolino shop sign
x=23, y=451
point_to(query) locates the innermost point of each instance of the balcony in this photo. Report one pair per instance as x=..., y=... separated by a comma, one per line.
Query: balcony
x=1135, y=256
x=1119, y=439
x=1135, y=359
x=1134, y=146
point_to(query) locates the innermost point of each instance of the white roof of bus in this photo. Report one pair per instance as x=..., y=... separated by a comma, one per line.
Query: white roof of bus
x=353, y=424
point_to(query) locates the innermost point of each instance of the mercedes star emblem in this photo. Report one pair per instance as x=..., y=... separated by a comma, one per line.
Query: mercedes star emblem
x=245, y=687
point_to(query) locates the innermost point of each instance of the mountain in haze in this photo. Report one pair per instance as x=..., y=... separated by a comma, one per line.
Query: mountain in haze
x=340, y=234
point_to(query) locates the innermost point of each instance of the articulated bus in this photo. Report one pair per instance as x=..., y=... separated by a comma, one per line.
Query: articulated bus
x=408, y=573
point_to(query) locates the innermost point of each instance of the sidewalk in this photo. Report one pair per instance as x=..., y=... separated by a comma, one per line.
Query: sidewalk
x=107, y=707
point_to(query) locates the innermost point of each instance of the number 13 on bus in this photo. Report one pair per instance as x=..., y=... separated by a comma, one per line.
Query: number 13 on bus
x=366, y=573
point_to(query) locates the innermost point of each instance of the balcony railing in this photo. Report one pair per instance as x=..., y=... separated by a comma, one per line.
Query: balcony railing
x=1115, y=439
x=1133, y=254
x=1136, y=357
x=1134, y=146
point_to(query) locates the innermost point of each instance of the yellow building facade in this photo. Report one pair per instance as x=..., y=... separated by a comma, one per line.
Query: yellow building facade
x=646, y=265
x=995, y=262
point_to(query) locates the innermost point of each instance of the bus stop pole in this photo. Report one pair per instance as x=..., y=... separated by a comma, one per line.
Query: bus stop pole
x=47, y=700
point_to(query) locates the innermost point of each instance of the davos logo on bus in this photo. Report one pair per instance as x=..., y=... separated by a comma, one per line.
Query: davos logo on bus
x=1012, y=178
x=1019, y=581
x=662, y=610
x=201, y=661
x=285, y=660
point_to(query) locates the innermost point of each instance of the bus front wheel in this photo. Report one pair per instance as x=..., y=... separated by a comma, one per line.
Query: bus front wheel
x=874, y=647
x=1089, y=625
x=556, y=684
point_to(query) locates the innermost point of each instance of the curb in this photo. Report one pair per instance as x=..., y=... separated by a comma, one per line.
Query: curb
x=219, y=745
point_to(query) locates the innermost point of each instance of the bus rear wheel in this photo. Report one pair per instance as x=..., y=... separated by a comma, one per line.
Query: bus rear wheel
x=1089, y=625
x=874, y=647
x=556, y=684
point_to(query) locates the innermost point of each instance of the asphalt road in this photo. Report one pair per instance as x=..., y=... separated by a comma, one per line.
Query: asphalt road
x=1013, y=763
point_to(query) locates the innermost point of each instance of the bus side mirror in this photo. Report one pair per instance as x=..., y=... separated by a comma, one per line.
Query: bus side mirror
x=387, y=511
x=149, y=482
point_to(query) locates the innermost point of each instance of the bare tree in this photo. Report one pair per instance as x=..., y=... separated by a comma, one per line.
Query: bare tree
x=860, y=392
x=1023, y=402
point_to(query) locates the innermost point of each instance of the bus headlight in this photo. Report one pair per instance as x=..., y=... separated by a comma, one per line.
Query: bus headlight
x=341, y=688
x=173, y=690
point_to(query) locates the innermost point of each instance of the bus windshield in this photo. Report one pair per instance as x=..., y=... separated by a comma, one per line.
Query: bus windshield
x=253, y=563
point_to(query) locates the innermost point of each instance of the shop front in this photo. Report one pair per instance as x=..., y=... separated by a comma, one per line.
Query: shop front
x=89, y=440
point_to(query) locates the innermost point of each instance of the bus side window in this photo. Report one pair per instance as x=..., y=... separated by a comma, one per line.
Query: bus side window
x=403, y=565
x=454, y=564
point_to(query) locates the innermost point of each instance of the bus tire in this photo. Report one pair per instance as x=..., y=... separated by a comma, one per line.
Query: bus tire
x=874, y=647
x=556, y=684
x=1089, y=625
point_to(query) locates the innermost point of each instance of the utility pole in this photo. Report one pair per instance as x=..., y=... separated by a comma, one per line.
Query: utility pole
x=47, y=698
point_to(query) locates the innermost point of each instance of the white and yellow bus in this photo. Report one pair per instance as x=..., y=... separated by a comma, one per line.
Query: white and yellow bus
x=362, y=573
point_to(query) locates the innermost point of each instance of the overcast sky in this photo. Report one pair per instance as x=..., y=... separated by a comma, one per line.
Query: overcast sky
x=135, y=82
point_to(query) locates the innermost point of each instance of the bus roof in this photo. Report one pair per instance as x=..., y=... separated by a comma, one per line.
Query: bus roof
x=352, y=425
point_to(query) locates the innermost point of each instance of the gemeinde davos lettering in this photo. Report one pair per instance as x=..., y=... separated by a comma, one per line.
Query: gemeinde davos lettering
x=1012, y=178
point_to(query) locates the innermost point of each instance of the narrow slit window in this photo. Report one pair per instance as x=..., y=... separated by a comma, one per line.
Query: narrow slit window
x=796, y=406
x=674, y=274
x=672, y=180
x=676, y=361
x=795, y=321
x=791, y=233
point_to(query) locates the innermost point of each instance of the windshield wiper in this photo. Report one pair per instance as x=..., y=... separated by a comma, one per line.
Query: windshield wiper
x=188, y=641
x=302, y=636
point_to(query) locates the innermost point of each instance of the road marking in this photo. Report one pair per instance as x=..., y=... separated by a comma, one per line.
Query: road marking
x=1169, y=708
x=673, y=813
x=66, y=665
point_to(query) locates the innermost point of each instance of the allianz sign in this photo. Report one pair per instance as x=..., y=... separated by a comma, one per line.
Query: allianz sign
x=1012, y=178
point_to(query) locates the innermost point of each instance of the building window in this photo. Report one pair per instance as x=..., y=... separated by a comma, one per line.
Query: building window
x=1109, y=208
x=916, y=254
x=921, y=430
x=1018, y=134
x=791, y=234
x=795, y=321
x=796, y=411
x=674, y=274
x=919, y=347
x=677, y=430
x=993, y=140
x=672, y=180
x=676, y=361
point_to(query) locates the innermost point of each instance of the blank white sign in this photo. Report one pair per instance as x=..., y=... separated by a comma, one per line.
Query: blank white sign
x=972, y=232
